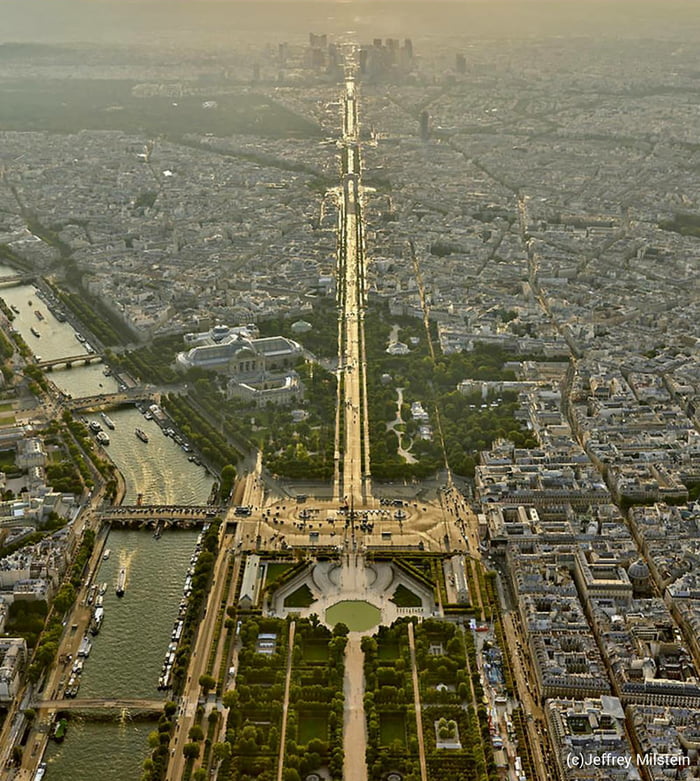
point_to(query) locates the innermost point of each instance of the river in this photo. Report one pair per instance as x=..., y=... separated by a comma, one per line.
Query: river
x=127, y=654
x=158, y=469
x=55, y=340
x=99, y=750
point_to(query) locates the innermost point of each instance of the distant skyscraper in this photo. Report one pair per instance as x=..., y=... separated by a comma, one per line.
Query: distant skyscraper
x=460, y=63
x=408, y=47
x=318, y=58
x=363, y=61
x=318, y=41
x=332, y=55
x=424, y=125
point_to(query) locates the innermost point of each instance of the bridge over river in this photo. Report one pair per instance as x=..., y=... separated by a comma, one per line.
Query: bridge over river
x=146, y=513
x=81, y=704
x=84, y=358
x=131, y=395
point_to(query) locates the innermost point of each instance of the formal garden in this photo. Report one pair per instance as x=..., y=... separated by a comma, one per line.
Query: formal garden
x=314, y=730
x=255, y=717
x=392, y=738
x=455, y=726
x=315, y=720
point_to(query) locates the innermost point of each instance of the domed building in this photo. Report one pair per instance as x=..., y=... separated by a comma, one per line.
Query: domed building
x=259, y=368
x=640, y=578
x=239, y=352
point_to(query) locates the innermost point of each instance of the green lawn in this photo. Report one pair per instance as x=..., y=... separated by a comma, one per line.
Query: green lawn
x=404, y=597
x=312, y=725
x=7, y=461
x=392, y=727
x=315, y=650
x=6, y=406
x=388, y=651
x=274, y=569
x=302, y=597
x=356, y=614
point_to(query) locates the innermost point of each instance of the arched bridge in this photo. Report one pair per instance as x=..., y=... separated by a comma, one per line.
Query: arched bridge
x=85, y=358
x=158, y=512
x=97, y=704
x=112, y=399
x=17, y=279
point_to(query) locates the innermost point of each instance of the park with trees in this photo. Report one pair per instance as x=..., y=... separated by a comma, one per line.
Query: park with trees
x=254, y=724
x=451, y=700
x=314, y=729
x=469, y=423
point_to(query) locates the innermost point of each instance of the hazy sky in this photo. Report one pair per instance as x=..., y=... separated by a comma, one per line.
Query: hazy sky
x=216, y=22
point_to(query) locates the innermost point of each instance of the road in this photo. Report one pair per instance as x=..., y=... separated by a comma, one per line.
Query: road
x=417, y=705
x=285, y=703
x=354, y=728
x=187, y=712
x=534, y=721
x=353, y=483
x=80, y=615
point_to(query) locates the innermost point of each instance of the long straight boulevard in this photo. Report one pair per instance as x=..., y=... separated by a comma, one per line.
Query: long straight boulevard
x=354, y=481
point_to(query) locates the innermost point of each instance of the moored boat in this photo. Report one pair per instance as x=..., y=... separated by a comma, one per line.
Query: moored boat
x=85, y=647
x=59, y=730
x=96, y=622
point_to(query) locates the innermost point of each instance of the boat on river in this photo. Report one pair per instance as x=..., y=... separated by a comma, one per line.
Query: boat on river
x=85, y=647
x=121, y=582
x=107, y=421
x=141, y=434
x=97, y=619
x=35, y=332
x=59, y=730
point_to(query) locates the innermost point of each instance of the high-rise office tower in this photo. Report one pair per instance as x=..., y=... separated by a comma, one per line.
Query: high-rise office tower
x=424, y=125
